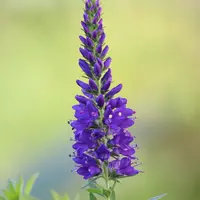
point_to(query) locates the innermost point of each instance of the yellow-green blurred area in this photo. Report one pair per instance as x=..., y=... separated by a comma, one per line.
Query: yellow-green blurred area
x=155, y=47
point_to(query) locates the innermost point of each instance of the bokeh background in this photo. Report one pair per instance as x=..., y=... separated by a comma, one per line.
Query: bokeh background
x=155, y=46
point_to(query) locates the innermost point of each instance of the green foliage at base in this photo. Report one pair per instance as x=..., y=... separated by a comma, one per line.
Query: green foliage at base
x=20, y=191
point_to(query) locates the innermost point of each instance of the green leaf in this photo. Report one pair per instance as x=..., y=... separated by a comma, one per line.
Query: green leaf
x=66, y=197
x=2, y=198
x=9, y=195
x=113, y=196
x=95, y=190
x=55, y=195
x=30, y=183
x=106, y=193
x=92, y=197
x=77, y=197
x=10, y=187
x=19, y=186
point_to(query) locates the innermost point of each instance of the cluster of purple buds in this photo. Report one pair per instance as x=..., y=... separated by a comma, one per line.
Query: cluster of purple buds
x=100, y=129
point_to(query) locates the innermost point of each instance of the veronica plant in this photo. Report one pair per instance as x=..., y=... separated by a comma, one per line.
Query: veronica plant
x=103, y=145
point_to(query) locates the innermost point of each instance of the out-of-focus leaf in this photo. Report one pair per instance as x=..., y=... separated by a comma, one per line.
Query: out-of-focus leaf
x=11, y=187
x=158, y=197
x=106, y=193
x=113, y=196
x=30, y=183
x=8, y=194
x=77, y=197
x=2, y=198
x=66, y=197
x=19, y=186
x=95, y=190
x=92, y=197
x=55, y=195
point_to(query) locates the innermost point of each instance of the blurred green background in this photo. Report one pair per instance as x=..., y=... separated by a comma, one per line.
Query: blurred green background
x=155, y=47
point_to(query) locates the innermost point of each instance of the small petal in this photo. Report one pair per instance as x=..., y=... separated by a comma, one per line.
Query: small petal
x=106, y=86
x=91, y=58
x=114, y=91
x=100, y=100
x=94, y=170
x=97, y=69
x=105, y=51
x=86, y=18
x=85, y=27
x=107, y=63
x=103, y=153
x=107, y=76
x=83, y=40
x=89, y=43
x=81, y=99
x=85, y=67
x=100, y=21
x=84, y=52
x=93, y=85
x=83, y=85
x=99, y=48
x=94, y=35
x=102, y=38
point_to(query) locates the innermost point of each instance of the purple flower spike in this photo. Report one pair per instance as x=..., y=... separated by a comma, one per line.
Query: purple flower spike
x=101, y=136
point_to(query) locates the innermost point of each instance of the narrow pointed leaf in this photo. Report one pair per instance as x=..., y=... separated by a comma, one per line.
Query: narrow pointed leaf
x=11, y=187
x=30, y=183
x=77, y=197
x=92, y=197
x=8, y=194
x=19, y=185
x=95, y=190
x=55, y=195
x=106, y=193
x=113, y=196
x=66, y=197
